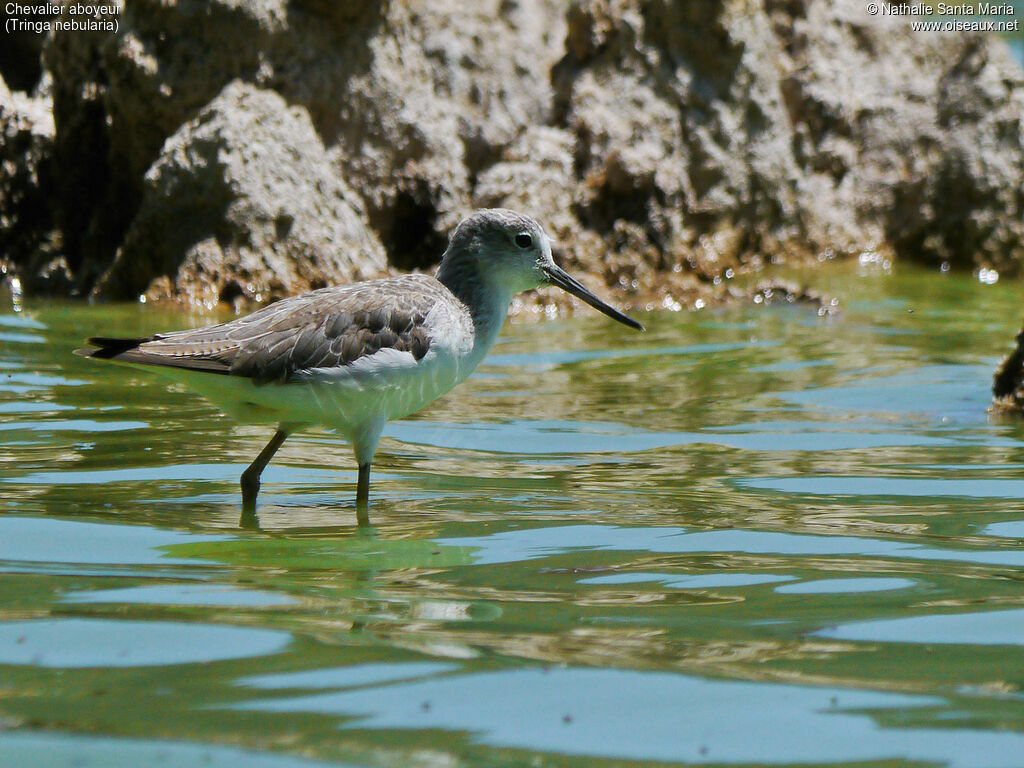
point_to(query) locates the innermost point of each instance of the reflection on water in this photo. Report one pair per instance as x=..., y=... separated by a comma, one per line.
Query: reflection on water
x=988, y=628
x=599, y=549
x=59, y=751
x=117, y=643
x=596, y=711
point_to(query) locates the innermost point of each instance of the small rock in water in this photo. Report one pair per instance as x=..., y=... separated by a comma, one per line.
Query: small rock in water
x=787, y=292
x=1008, y=381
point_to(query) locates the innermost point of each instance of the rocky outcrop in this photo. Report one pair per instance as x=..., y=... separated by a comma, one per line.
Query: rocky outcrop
x=912, y=139
x=808, y=128
x=243, y=204
x=21, y=66
x=667, y=145
x=28, y=235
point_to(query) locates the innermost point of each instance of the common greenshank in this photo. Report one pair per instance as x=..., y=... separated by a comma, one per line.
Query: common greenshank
x=352, y=357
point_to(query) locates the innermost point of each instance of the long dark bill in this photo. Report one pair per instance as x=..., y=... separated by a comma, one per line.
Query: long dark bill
x=558, y=276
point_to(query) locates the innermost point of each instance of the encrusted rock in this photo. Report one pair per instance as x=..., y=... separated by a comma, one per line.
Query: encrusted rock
x=243, y=203
x=21, y=65
x=27, y=227
x=910, y=140
x=733, y=135
x=664, y=143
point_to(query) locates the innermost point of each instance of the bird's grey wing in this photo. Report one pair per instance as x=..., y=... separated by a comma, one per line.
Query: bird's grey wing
x=332, y=327
x=355, y=323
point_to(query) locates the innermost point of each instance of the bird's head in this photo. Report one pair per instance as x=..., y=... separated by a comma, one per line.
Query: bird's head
x=512, y=251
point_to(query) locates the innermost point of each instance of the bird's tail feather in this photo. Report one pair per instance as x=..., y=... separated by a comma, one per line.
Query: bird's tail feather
x=108, y=348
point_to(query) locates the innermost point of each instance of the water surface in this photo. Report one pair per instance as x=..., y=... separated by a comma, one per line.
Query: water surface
x=750, y=536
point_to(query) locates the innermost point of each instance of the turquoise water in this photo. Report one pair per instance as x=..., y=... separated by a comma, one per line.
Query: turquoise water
x=750, y=536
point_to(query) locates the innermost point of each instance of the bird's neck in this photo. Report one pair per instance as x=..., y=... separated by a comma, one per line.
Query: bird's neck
x=486, y=300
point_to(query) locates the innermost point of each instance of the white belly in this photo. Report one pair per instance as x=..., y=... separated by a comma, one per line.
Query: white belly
x=386, y=385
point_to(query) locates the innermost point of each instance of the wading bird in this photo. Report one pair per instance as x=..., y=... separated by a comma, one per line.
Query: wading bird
x=352, y=357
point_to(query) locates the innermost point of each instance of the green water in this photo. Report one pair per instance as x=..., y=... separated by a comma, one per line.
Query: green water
x=747, y=537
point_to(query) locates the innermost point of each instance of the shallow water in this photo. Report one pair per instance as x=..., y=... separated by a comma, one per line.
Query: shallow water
x=746, y=537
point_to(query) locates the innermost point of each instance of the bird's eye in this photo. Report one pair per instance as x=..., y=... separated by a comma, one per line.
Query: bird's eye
x=523, y=240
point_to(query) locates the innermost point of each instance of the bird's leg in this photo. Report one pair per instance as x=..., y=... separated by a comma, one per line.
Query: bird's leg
x=251, y=476
x=363, y=495
x=364, y=444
